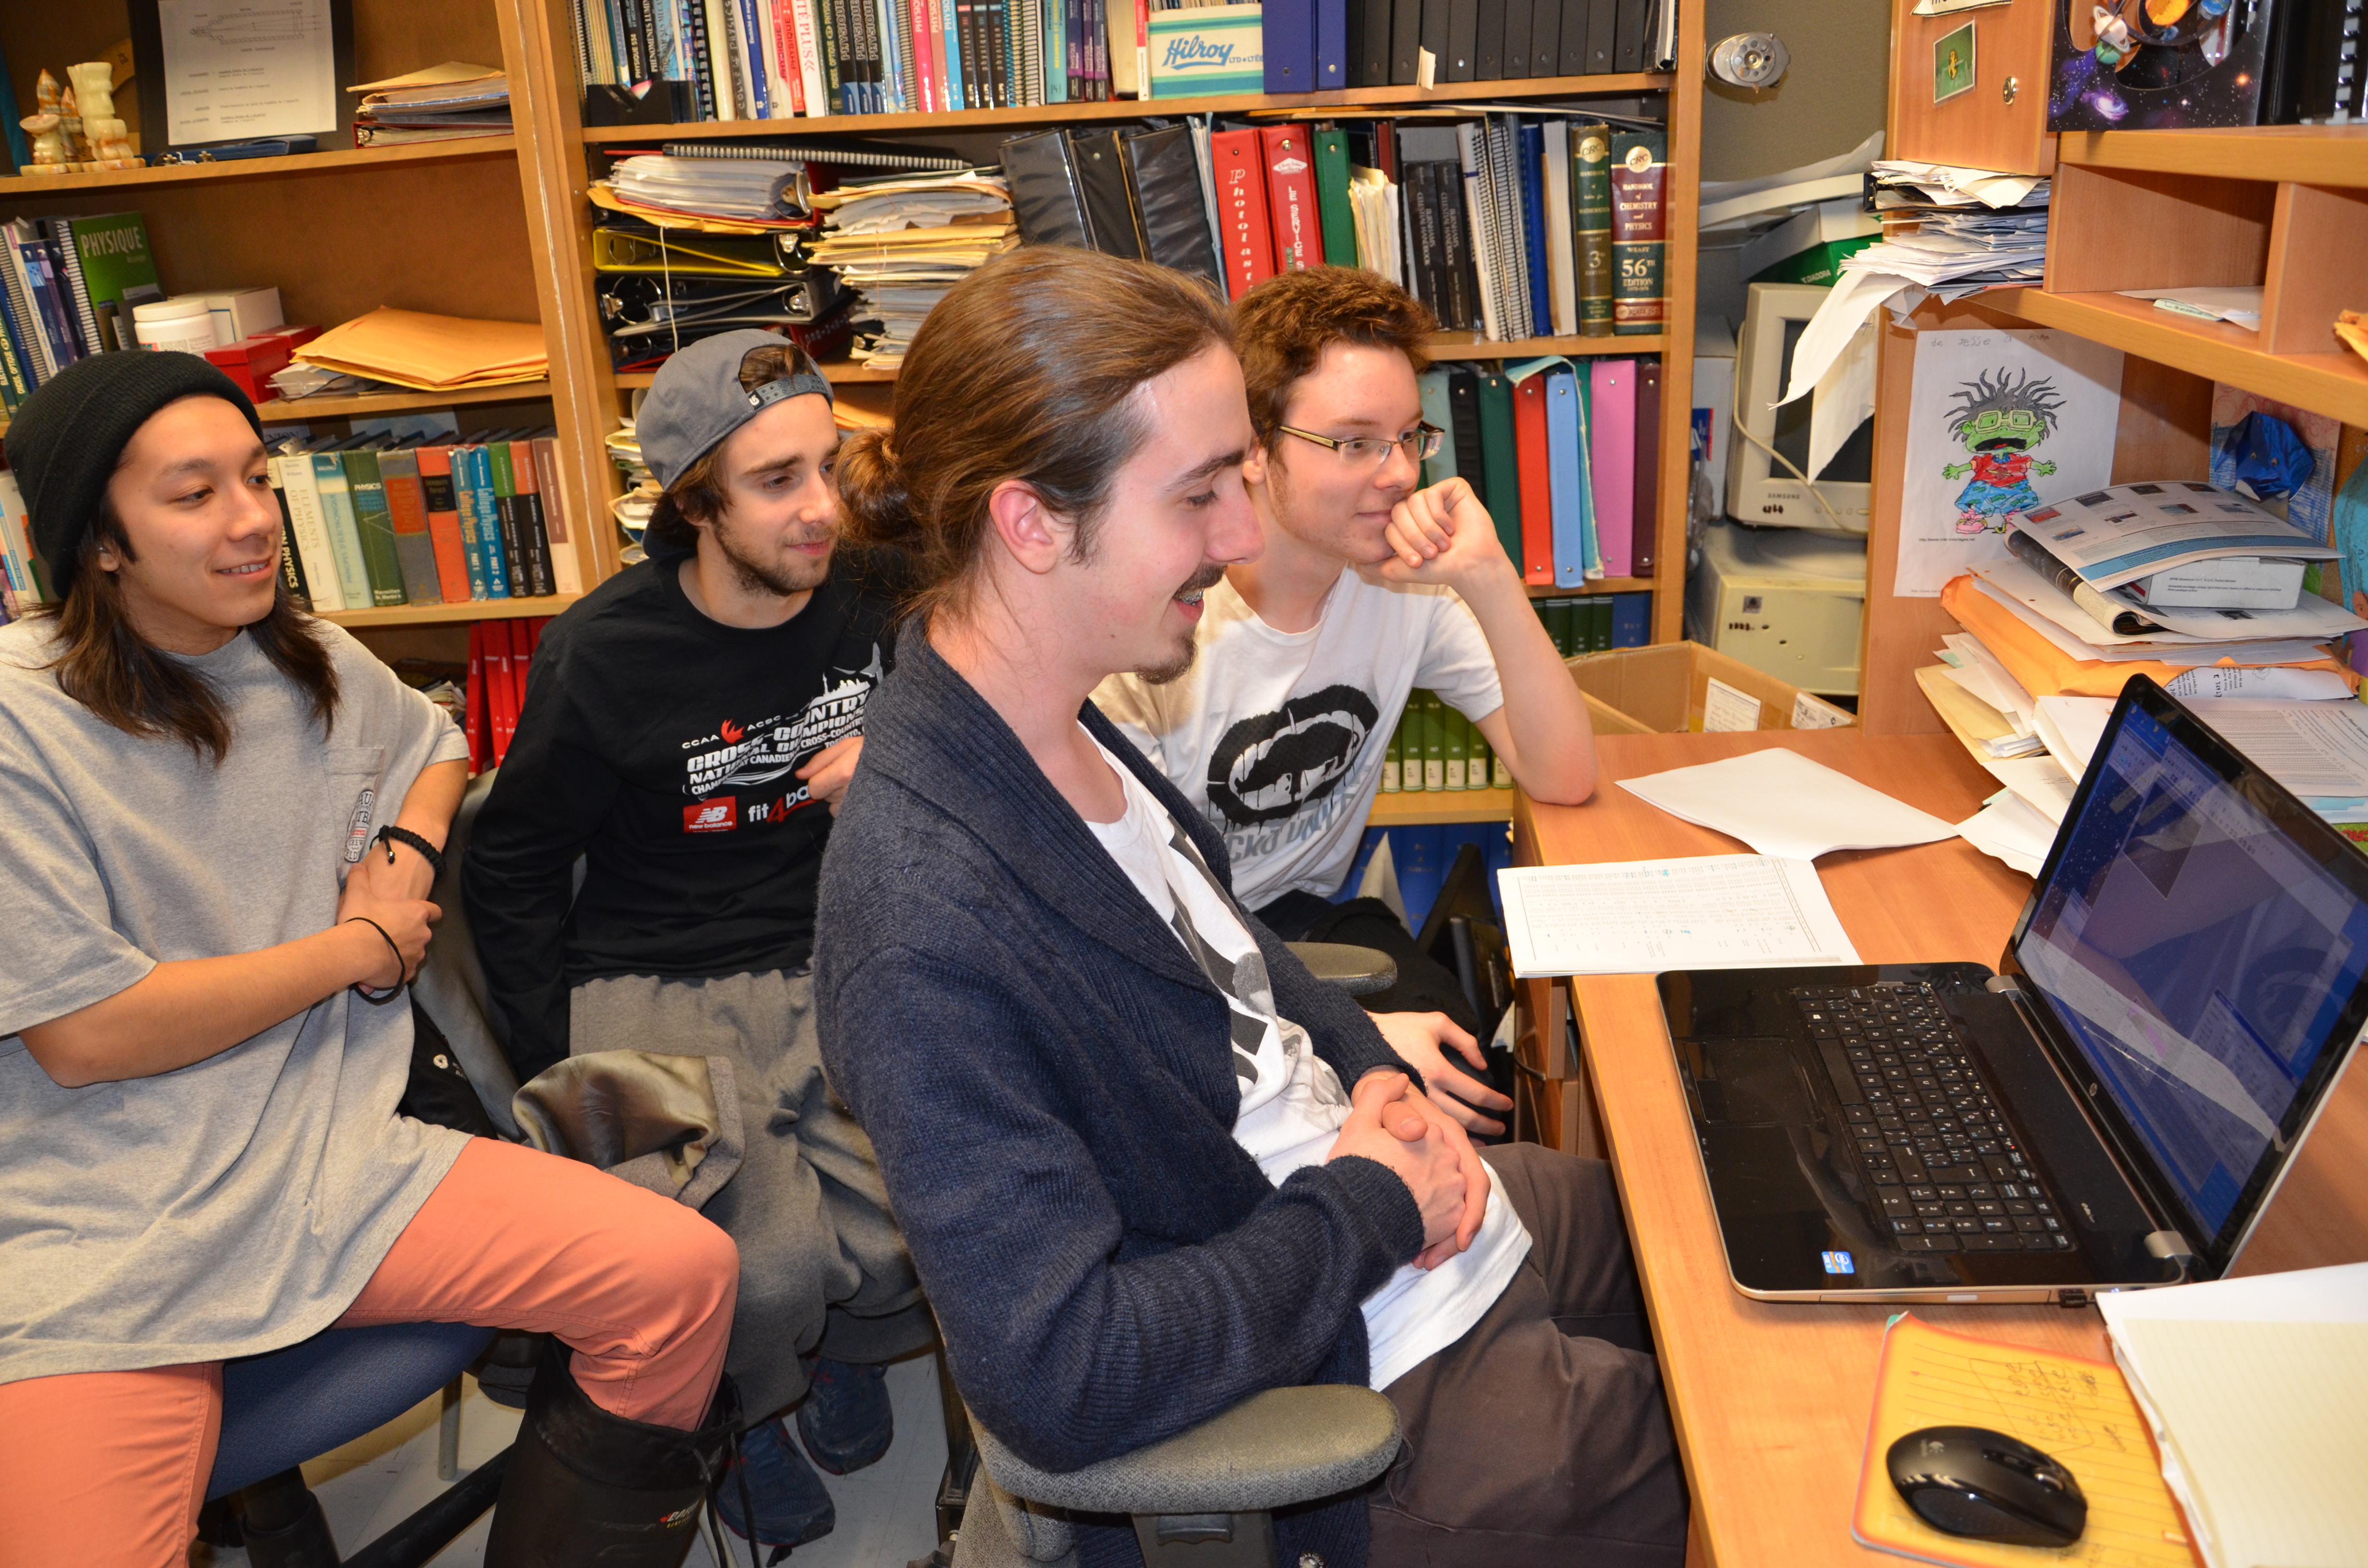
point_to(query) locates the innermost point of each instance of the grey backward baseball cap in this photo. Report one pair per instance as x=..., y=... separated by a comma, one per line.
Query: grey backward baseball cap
x=697, y=399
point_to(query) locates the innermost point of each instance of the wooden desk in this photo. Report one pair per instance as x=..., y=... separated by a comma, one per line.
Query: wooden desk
x=1770, y=1400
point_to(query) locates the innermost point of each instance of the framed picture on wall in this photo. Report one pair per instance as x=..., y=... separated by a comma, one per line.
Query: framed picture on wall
x=220, y=74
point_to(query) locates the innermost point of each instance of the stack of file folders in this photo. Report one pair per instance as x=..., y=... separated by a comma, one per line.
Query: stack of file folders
x=900, y=243
x=443, y=103
x=2050, y=639
x=431, y=353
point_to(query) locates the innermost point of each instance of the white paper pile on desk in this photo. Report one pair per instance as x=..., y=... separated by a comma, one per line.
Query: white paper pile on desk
x=901, y=244
x=2056, y=628
x=2257, y=1390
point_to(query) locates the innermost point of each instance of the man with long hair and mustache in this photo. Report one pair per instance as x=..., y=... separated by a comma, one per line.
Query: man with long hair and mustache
x=688, y=731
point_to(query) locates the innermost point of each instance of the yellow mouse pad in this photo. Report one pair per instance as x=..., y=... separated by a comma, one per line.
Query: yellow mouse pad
x=2076, y=1410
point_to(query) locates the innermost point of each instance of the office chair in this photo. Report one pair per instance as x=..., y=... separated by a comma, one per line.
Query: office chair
x=287, y=1406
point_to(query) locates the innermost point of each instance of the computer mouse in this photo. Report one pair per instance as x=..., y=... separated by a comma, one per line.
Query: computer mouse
x=1970, y=1480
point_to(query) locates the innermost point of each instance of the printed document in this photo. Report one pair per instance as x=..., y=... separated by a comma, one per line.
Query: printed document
x=1780, y=803
x=1643, y=916
x=240, y=70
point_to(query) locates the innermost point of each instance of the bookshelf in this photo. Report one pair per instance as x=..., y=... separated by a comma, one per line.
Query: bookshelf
x=1427, y=808
x=2282, y=208
x=499, y=227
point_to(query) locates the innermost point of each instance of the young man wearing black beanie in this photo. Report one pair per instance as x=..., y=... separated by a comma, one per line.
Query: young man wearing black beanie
x=688, y=731
x=220, y=819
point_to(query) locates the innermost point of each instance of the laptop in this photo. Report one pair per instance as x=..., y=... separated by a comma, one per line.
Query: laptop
x=2113, y=1109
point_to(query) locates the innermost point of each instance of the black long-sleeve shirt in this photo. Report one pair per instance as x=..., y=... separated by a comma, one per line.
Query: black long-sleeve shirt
x=663, y=747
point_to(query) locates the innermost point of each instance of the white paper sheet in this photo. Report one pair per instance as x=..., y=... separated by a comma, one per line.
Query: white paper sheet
x=2049, y=610
x=1949, y=518
x=2008, y=830
x=2238, y=307
x=2071, y=727
x=1783, y=805
x=2315, y=749
x=236, y=70
x=1645, y=916
x=2039, y=783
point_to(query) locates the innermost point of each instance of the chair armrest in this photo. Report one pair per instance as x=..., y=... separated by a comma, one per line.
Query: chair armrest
x=1274, y=1448
x=1360, y=972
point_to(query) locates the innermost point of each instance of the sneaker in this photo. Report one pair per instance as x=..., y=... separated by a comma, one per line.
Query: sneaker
x=786, y=1497
x=846, y=1419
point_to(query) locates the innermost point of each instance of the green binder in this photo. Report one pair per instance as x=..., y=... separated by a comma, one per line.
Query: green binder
x=1434, y=742
x=1459, y=749
x=1500, y=461
x=1393, y=760
x=1332, y=199
x=375, y=523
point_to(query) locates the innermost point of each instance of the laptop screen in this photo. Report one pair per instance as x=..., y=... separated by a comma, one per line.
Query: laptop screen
x=2199, y=956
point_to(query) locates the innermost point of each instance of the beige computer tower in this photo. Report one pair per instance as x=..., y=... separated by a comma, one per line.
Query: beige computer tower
x=1782, y=600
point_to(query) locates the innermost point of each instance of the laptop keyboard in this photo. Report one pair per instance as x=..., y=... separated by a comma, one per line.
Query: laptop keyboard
x=1946, y=1173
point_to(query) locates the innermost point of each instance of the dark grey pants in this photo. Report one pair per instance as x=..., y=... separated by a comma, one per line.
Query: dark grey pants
x=1540, y=1438
x=822, y=1265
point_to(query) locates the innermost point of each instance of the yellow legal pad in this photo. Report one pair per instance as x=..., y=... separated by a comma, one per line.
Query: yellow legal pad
x=2078, y=1411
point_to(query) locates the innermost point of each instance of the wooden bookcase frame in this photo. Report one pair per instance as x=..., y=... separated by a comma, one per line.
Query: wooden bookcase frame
x=500, y=227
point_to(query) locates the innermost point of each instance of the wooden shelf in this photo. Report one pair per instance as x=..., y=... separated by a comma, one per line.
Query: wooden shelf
x=1471, y=345
x=839, y=373
x=447, y=614
x=19, y=188
x=2333, y=384
x=1600, y=585
x=1445, y=95
x=1421, y=808
x=281, y=411
x=2306, y=154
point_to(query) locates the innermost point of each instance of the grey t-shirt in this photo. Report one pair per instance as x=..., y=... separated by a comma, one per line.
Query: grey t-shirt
x=241, y=1203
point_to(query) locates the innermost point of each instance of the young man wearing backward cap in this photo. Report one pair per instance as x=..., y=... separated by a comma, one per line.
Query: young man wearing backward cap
x=689, y=730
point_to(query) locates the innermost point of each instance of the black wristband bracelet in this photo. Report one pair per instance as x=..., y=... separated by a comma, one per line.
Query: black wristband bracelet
x=381, y=998
x=391, y=836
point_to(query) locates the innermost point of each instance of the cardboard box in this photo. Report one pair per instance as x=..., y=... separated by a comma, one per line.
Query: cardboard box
x=240, y=313
x=252, y=362
x=1208, y=49
x=1671, y=687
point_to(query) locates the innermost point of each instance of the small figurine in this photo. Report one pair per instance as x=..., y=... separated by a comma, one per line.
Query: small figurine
x=49, y=144
x=94, y=89
x=45, y=95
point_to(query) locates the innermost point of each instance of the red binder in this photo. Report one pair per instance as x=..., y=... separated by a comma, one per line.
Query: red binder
x=1247, y=240
x=479, y=729
x=1537, y=493
x=501, y=693
x=1291, y=192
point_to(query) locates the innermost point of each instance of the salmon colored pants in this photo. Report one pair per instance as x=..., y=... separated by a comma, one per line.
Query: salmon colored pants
x=108, y=1469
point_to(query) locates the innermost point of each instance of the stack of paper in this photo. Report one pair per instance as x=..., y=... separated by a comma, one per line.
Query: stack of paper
x=717, y=195
x=2257, y=1390
x=440, y=104
x=431, y=353
x=901, y=244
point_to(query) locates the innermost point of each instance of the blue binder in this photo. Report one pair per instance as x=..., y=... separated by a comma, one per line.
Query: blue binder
x=1533, y=149
x=1574, y=505
x=1331, y=44
x=1286, y=31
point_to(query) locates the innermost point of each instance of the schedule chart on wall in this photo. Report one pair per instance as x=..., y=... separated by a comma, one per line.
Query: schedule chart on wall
x=1643, y=916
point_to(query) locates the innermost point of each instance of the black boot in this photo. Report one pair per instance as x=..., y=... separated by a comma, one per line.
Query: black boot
x=585, y=1486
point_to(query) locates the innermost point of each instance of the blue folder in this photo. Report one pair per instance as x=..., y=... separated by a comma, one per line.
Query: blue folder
x=1288, y=30
x=1566, y=474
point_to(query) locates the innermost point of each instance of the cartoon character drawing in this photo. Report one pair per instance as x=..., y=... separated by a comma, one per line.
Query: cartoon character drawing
x=1999, y=423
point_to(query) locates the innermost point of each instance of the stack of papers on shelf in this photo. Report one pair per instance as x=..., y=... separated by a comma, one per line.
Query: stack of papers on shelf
x=1645, y=916
x=442, y=103
x=725, y=195
x=2257, y=1392
x=1783, y=804
x=901, y=244
x=1903, y=185
x=430, y=353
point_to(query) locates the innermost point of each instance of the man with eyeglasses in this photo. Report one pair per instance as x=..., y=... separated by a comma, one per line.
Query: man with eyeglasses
x=1370, y=587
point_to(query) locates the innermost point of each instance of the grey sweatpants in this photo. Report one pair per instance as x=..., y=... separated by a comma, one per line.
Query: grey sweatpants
x=821, y=1262
x=1541, y=1438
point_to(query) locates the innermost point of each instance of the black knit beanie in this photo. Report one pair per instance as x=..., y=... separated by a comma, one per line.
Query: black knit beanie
x=65, y=439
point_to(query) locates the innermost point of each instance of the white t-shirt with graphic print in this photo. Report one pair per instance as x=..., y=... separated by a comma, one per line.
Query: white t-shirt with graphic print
x=1276, y=737
x=1293, y=1102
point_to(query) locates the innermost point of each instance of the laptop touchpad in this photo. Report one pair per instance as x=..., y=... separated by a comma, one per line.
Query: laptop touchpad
x=1748, y=1082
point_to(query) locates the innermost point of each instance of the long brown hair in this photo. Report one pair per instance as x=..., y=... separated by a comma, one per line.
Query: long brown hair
x=131, y=683
x=1026, y=369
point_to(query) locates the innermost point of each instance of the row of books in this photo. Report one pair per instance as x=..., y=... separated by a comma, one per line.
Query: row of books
x=785, y=59
x=67, y=286
x=499, y=655
x=1436, y=747
x=1564, y=455
x=373, y=522
x=23, y=578
x=1598, y=623
x=1325, y=44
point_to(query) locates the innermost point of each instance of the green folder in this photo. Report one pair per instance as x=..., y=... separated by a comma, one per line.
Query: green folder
x=375, y=523
x=1434, y=742
x=1459, y=749
x=1475, y=772
x=1332, y=206
x=1500, y=459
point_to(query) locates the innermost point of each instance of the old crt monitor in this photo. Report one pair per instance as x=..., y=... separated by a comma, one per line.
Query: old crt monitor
x=1760, y=491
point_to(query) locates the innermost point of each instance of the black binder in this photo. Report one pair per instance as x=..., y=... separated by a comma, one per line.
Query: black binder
x=1574, y=39
x=1488, y=44
x=1406, y=40
x=1462, y=40
x=1603, y=32
x=1629, y=52
x=1046, y=200
x=1370, y=42
x=1165, y=169
x=1463, y=413
x=1517, y=38
x=1545, y=38
x=1109, y=205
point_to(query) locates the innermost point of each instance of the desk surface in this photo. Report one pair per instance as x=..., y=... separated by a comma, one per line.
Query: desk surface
x=1771, y=1401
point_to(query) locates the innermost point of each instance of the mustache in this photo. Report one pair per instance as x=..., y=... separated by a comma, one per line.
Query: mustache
x=1207, y=577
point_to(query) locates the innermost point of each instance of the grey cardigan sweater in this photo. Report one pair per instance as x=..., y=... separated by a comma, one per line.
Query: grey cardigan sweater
x=1047, y=1077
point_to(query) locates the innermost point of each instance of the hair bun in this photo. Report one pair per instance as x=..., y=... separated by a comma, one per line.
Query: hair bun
x=871, y=494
